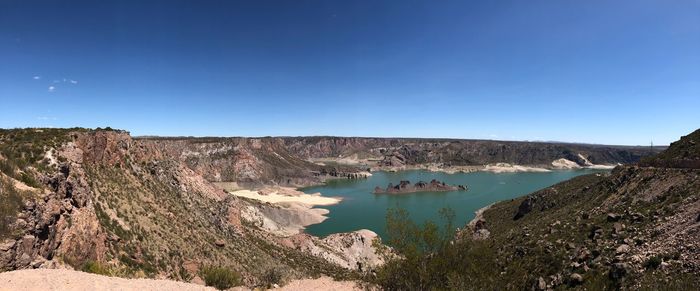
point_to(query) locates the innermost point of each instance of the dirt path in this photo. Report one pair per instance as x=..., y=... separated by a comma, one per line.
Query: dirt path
x=61, y=279
x=48, y=279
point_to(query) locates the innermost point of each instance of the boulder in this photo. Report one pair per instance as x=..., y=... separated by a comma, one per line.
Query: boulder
x=524, y=208
x=541, y=284
x=618, y=227
x=612, y=217
x=575, y=279
x=622, y=249
x=7, y=245
x=619, y=270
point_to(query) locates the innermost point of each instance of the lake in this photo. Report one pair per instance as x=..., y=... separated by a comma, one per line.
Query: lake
x=361, y=208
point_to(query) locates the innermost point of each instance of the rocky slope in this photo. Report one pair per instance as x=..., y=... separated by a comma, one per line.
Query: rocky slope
x=635, y=228
x=681, y=154
x=83, y=197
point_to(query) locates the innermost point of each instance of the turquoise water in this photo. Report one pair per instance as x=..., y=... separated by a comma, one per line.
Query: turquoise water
x=362, y=209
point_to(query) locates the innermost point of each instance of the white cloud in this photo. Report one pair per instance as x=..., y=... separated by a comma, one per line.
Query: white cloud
x=52, y=88
x=46, y=118
x=37, y=77
x=73, y=82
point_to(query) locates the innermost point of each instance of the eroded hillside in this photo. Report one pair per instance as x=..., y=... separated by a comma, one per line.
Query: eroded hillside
x=88, y=198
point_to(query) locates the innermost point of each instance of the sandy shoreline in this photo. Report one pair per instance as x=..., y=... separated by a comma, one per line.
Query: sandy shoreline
x=508, y=168
x=285, y=211
x=287, y=195
x=498, y=168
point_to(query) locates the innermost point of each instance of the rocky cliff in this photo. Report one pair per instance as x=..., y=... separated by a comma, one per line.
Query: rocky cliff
x=397, y=152
x=250, y=162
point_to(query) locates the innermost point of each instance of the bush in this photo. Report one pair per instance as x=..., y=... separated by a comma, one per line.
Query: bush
x=653, y=262
x=28, y=180
x=220, y=278
x=271, y=277
x=95, y=268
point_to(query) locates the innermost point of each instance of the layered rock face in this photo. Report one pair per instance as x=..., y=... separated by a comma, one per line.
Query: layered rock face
x=398, y=152
x=250, y=162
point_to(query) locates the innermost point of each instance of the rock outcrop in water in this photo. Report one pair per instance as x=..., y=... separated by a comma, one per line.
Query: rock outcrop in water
x=406, y=187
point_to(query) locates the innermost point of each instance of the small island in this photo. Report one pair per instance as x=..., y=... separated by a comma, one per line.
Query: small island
x=406, y=187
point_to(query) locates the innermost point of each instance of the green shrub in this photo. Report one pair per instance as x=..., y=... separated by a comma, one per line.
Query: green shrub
x=653, y=262
x=95, y=267
x=11, y=201
x=28, y=180
x=220, y=278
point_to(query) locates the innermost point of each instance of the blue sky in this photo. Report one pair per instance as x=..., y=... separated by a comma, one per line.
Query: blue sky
x=614, y=72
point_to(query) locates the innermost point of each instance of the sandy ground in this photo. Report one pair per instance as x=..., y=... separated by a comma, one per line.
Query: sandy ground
x=508, y=168
x=287, y=195
x=565, y=164
x=601, y=167
x=349, y=160
x=323, y=283
x=62, y=279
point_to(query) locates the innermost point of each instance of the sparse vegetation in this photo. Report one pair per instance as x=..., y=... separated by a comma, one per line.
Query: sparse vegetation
x=430, y=259
x=10, y=203
x=271, y=277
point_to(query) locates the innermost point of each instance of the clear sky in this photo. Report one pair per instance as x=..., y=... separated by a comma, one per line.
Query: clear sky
x=614, y=72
